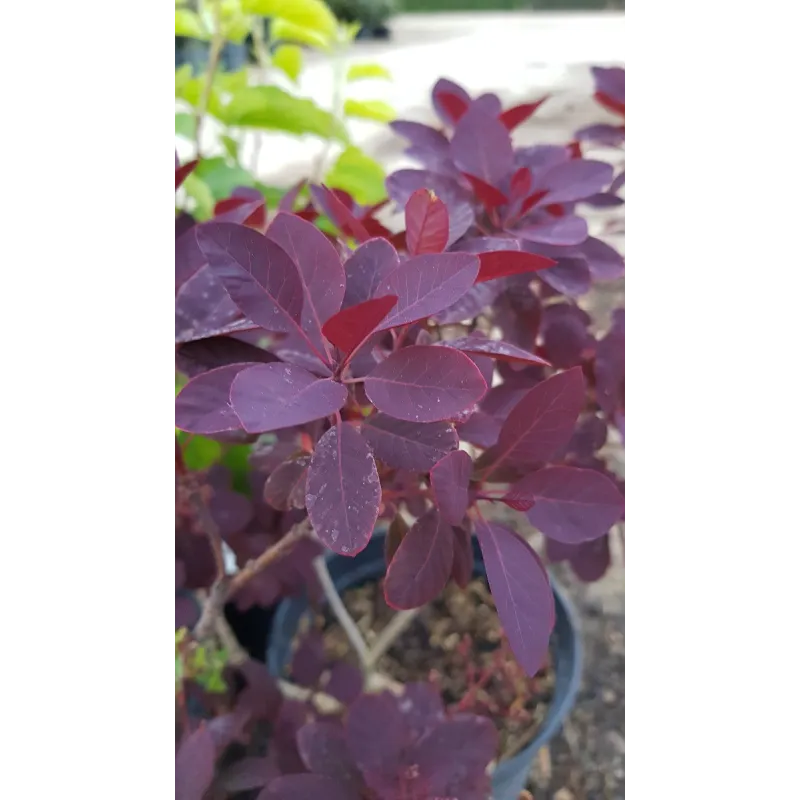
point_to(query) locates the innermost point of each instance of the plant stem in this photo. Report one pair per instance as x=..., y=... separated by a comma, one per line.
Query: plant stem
x=262, y=57
x=210, y=528
x=389, y=634
x=337, y=109
x=341, y=613
x=217, y=43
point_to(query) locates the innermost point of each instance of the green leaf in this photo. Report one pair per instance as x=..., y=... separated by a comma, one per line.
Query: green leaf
x=182, y=76
x=200, y=453
x=311, y=14
x=231, y=146
x=189, y=24
x=222, y=178
x=270, y=108
x=199, y=191
x=357, y=72
x=191, y=90
x=282, y=30
x=369, y=109
x=288, y=58
x=359, y=175
x=184, y=125
x=231, y=81
x=236, y=459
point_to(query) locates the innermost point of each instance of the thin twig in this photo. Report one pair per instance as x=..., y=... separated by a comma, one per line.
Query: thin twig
x=342, y=614
x=217, y=43
x=389, y=634
x=209, y=527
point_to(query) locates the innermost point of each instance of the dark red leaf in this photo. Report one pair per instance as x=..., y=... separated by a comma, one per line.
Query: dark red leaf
x=398, y=528
x=532, y=200
x=259, y=275
x=194, y=765
x=516, y=115
x=343, y=491
x=182, y=172
x=463, y=557
x=422, y=564
x=521, y=591
x=427, y=284
x=338, y=213
x=323, y=748
x=204, y=404
x=286, y=487
x=366, y=268
x=425, y=384
x=450, y=484
x=568, y=504
x=521, y=183
x=408, y=445
x=542, y=422
x=307, y=787
x=575, y=150
x=244, y=210
x=350, y=327
x=502, y=351
x=453, y=106
x=194, y=358
x=490, y=197
x=427, y=223
x=319, y=267
x=481, y=146
x=268, y=397
x=502, y=263
x=616, y=106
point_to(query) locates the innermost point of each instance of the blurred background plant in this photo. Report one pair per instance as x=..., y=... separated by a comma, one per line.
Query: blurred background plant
x=238, y=73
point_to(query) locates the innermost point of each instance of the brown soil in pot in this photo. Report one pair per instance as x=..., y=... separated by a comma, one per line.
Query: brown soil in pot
x=455, y=641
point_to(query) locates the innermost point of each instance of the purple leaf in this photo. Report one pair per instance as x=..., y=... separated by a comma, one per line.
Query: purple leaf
x=241, y=325
x=259, y=275
x=202, y=306
x=589, y=561
x=541, y=423
x=349, y=328
x=556, y=231
x=345, y=682
x=306, y=787
x=308, y=663
x=425, y=384
x=427, y=284
x=446, y=86
x=565, y=334
x=204, y=404
x=323, y=748
x=366, y=268
x=427, y=223
x=481, y=146
x=502, y=351
x=471, y=304
x=462, y=218
x=480, y=429
x=422, y=136
x=617, y=183
x=261, y=697
x=589, y=437
x=288, y=201
x=268, y=397
x=455, y=754
x=541, y=157
x=463, y=557
x=194, y=765
x=422, y=707
x=489, y=103
x=194, y=358
x=602, y=133
x=605, y=263
x=376, y=733
x=570, y=505
x=338, y=213
x=571, y=276
x=319, y=267
x=286, y=487
x=249, y=773
x=408, y=445
x=343, y=491
x=189, y=258
x=574, y=180
x=610, y=81
x=521, y=591
x=422, y=564
x=450, y=484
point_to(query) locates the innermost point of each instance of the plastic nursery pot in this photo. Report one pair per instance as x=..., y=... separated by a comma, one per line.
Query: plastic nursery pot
x=510, y=777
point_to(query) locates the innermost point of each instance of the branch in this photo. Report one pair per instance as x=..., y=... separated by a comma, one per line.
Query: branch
x=342, y=614
x=217, y=43
x=389, y=634
x=209, y=528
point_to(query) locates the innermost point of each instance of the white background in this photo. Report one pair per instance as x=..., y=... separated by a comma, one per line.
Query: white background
x=87, y=389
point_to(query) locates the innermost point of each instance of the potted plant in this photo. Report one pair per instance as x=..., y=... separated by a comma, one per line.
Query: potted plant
x=358, y=372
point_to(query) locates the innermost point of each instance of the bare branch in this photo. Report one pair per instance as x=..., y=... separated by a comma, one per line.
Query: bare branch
x=389, y=634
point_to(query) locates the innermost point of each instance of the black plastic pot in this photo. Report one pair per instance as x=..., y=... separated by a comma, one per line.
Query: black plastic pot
x=510, y=777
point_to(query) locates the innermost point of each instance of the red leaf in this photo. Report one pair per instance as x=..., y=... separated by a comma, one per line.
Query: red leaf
x=425, y=384
x=575, y=149
x=427, y=223
x=450, y=484
x=488, y=195
x=343, y=491
x=463, y=557
x=350, y=327
x=531, y=201
x=182, y=172
x=339, y=214
x=568, y=504
x=422, y=564
x=516, y=115
x=453, y=105
x=521, y=591
x=521, y=183
x=194, y=765
x=501, y=263
x=542, y=422
x=242, y=210
x=610, y=103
